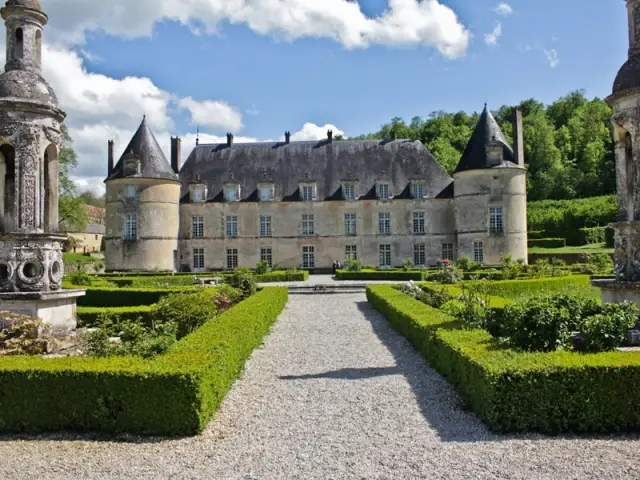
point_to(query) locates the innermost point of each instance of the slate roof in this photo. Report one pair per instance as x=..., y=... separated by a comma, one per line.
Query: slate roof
x=328, y=164
x=153, y=163
x=628, y=76
x=475, y=155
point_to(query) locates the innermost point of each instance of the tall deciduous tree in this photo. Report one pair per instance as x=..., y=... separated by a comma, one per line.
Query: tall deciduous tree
x=72, y=214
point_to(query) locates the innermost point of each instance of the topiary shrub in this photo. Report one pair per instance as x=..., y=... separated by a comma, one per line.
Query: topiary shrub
x=262, y=267
x=608, y=330
x=187, y=310
x=354, y=265
x=243, y=280
x=464, y=263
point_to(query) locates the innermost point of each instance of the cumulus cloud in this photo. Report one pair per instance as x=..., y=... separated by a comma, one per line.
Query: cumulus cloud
x=492, y=37
x=503, y=9
x=427, y=22
x=311, y=131
x=213, y=114
x=552, y=57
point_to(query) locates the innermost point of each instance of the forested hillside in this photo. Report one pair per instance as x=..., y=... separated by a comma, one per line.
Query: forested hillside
x=568, y=144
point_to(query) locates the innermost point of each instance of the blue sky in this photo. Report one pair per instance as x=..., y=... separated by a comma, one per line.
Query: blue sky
x=543, y=49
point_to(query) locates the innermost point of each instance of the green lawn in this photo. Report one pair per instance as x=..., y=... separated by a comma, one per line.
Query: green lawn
x=594, y=248
x=70, y=258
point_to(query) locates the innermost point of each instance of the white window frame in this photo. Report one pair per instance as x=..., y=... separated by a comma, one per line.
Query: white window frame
x=197, y=226
x=350, y=224
x=265, y=226
x=266, y=193
x=266, y=255
x=419, y=223
x=384, y=223
x=131, y=227
x=308, y=224
x=447, y=251
x=130, y=190
x=232, y=193
x=198, y=259
x=307, y=193
x=383, y=191
x=417, y=189
x=232, y=258
x=231, y=226
x=478, y=251
x=385, y=255
x=308, y=257
x=496, y=220
x=351, y=252
x=419, y=254
x=350, y=193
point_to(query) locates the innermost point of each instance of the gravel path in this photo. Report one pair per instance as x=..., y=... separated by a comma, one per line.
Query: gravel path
x=333, y=393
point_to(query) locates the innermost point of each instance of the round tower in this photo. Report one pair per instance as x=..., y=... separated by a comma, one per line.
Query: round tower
x=490, y=194
x=143, y=207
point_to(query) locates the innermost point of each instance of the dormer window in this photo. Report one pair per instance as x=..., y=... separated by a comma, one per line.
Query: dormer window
x=131, y=164
x=308, y=192
x=197, y=195
x=349, y=191
x=266, y=192
x=130, y=191
x=495, y=153
x=232, y=193
x=417, y=189
x=383, y=191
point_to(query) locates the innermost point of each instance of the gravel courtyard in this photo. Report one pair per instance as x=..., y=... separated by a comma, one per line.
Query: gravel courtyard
x=333, y=393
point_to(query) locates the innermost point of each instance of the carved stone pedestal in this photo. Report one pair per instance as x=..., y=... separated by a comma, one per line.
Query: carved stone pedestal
x=615, y=291
x=57, y=309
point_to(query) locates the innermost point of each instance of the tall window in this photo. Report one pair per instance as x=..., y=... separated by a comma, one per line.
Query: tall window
x=232, y=258
x=350, y=224
x=447, y=251
x=232, y=226
x=131, y=226
x=231, y=193
x=349, y=191
x=385, y=255
x=418, y=222
x=351, y=252
x=417, y=190
x=266, y=194
x=478, y=252
x=309, y=257
x=384, y=223
x=496, y=224
x=197, y=227
x=265, y=226
x=307, y=193
x=419, y=255
x=307, y=225
x=383, y=191
x=130, y=191
x=266, y=255
x=198, y=259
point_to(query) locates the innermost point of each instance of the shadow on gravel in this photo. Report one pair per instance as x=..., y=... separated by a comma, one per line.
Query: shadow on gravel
x=349, y=374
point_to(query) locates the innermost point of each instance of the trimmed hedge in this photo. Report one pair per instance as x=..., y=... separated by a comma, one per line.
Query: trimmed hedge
x=519, y=392
x=547, y=243
x=88, y=316
x=174, y=394
x=124, y=297
x=514, y=288
x=298, y=276
x=373, y=275
x=593, y=235
x=537, y=234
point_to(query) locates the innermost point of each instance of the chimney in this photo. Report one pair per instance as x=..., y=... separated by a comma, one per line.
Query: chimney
x=176, y=152
x=287, y=137
x=110, y=158
x=518, y=137
x=229, y=139
x=330, y=136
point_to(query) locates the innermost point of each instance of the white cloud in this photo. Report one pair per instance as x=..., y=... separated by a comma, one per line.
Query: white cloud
x=213, y=114
x=503, y=9
x=427, y=22
x=552, y=57
x=311, y=131
x=492, y=37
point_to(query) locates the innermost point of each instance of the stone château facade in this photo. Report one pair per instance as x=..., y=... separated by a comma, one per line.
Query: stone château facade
x=307, y=204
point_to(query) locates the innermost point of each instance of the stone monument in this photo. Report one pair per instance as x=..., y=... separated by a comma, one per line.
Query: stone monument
x=31, y=266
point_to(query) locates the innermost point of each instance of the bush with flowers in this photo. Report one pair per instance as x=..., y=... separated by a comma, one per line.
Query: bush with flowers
x=448, y=273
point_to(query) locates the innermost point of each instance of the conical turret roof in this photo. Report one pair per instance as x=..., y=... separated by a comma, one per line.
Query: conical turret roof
x=475, y=156
x=153, y=163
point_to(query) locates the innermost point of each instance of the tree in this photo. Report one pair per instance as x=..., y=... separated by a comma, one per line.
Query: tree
x=71, y=212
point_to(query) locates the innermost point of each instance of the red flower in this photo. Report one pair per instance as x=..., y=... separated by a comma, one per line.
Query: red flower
x=447, y=262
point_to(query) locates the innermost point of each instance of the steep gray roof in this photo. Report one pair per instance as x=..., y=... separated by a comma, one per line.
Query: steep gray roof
x=153, y=163
x=475, y=155
x=328, y=164
x=628, y=76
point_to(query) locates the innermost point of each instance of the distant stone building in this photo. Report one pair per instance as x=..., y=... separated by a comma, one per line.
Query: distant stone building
x=90, y=240
x=307, y=204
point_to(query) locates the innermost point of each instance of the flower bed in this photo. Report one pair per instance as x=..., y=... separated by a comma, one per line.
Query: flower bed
x=519, y=391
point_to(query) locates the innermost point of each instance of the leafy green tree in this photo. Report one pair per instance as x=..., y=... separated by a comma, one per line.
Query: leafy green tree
x=71, y=212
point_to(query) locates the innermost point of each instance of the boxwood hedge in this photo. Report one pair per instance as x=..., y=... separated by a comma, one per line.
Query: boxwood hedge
x=518, y=392
x=174, y=394
x=373, y=275
x=88, y=316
